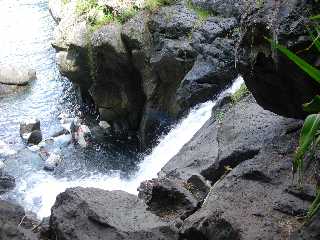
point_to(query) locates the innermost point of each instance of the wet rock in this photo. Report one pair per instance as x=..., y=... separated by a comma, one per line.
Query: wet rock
x=19, y=76
x=29, y=126
x=82, y=135
x=52, y=162
x=89, y=213
x=14, y=224
x=104, y=124
x=7, y=182
x=59, y=132
x=167, y=197
x=62, y=140
x=268, y=74
x=35, y=137
x=10, y=89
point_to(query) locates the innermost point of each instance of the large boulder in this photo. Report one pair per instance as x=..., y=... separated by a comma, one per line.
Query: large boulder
x=277, y=83
x=233, y=134
x=16, y=75
x=15, y=224
x=92, y=214
x=254, y=200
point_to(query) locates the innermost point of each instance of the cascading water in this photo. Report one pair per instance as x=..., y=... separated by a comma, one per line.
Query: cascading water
x=38, y=199
x=26, y=27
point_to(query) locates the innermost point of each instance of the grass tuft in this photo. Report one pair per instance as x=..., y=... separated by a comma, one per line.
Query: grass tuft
x=241, y=93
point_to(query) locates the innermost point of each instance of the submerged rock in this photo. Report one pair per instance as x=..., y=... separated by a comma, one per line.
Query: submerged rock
x=6, y=150
x=29, y=126
x=89, y=213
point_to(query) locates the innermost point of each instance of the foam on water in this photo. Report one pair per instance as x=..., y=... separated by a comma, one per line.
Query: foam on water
x=40, y=189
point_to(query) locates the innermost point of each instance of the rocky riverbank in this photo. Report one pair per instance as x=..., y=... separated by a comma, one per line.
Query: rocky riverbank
x=233, y=179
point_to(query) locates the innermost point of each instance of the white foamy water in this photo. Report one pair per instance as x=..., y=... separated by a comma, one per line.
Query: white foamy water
x=40, y=189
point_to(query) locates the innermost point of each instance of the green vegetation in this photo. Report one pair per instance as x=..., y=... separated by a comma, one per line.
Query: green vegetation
x=202, y=14
x=310, y=134
x=153, y=5
x=98, y=15
x=65, y=1
x=239, y=94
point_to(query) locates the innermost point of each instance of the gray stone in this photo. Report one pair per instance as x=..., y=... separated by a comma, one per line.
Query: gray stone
x=251, y=201
x=13, y=75
x=7, y=182
x=35, y=137
x=165, y=196
x=14, y=224
x=29, y=126
x=90, y=214
x=229, y=137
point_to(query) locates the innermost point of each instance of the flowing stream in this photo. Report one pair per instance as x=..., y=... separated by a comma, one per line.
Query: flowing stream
x=26, y=32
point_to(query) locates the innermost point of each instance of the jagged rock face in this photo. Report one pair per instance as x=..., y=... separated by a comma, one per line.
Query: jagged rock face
x=92, y=214
x=14, y=224
x=278, y=84
x=116, y=87
x=252, y=201
x=145, y=74
x=229, y=137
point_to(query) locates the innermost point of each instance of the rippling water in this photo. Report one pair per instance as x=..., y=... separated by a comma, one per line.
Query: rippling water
x=26, y=32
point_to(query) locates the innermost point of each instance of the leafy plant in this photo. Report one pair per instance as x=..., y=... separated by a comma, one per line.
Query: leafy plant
x=310, y=134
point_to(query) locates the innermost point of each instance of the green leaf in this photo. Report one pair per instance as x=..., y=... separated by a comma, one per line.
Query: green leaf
x=315, y=39
x=316, y=17
x=306, y=67
x=313, y=106
x=307, y=136
x=315, y=206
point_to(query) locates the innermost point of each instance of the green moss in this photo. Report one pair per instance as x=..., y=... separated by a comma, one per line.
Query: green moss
x=241, y=93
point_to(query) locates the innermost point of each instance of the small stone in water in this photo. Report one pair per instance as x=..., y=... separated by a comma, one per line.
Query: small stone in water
x=104, y=124
x=53, y=161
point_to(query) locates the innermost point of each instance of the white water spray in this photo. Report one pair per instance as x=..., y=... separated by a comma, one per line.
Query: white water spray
x=41, y=188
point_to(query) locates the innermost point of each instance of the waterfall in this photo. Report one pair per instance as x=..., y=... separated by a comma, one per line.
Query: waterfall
x=41, y=188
